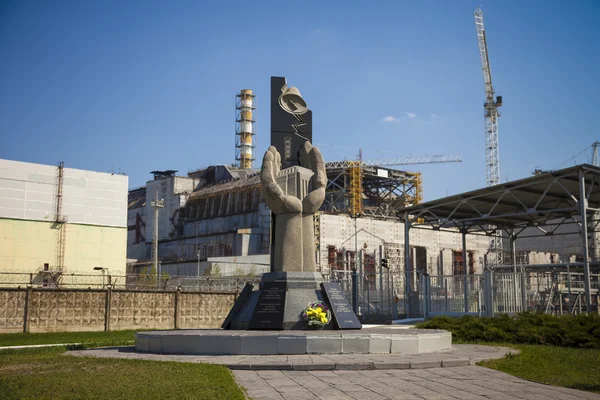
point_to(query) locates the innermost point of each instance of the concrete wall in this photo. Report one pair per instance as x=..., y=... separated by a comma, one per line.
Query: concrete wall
x=26, y=245
x=12, y=311
x=61, y=311
x=241, y=265
x=54, y=310
x=203, y=311
x=151, y=310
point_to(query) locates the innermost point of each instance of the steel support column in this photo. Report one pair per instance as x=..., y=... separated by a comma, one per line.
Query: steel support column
x=584, y=237
x=381, y=276
x=407, y=264
x=465, y=267
x=513, y=254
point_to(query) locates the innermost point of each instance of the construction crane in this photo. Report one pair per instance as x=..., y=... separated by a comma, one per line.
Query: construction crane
x=490, y=106
x=354, y=170
x=491, y=114
x=396, y=161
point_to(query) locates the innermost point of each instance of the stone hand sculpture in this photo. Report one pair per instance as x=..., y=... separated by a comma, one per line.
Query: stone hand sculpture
x=294, y=247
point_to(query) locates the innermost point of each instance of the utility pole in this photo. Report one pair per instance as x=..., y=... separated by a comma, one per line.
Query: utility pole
x=354, y=274
x=156, y=204
x=595, y=234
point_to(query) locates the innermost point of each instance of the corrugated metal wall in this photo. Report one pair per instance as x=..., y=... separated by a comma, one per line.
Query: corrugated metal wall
x=28, y=191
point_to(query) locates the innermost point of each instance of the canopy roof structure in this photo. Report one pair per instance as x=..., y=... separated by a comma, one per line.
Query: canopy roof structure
x=547, y=200
x=534, y=206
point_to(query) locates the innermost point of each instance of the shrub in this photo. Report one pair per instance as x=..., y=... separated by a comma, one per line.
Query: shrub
x=530, y=328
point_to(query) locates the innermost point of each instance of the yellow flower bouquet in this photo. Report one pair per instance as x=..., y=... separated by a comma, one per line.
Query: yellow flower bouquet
x=317, y=315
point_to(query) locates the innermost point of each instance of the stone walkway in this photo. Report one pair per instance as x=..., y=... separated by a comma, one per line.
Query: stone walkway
x=445, y=375
x=465, y=383
x=460, y=355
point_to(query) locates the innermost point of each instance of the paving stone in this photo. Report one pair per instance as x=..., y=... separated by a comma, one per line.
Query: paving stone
x=390, y=392
x=349, y=387
x=142, y=344
x=380, y=344
x=207, y=345
x=460, y=362
x=291, y=344
x=323, y=345
x=355, y=343
x=354, y=366
x=332, y=394
x=263, y=394
x=437, y=342
x=271, y=367
x=258, y=344
x=239, y=366
x=154, y=344
x=425, y=364
x=404, y=344
x=393, y=384
x=366, y=394
x=313, y=367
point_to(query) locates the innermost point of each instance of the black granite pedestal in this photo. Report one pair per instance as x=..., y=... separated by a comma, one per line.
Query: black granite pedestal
x=279, y=302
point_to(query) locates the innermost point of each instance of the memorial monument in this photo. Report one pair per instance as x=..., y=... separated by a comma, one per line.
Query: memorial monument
x=294, y=195
x=293, y=311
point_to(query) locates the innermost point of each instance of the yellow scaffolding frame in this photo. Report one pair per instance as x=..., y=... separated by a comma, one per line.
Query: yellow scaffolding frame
x=356, y=203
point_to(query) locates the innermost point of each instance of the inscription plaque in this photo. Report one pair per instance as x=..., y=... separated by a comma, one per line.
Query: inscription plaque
x=340, y=308
x=237, y=305
x=270, y=307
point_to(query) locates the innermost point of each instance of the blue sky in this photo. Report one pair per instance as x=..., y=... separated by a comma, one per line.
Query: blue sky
x=138, y=86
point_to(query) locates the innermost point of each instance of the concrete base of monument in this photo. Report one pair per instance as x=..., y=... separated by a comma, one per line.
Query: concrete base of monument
x=379, y=339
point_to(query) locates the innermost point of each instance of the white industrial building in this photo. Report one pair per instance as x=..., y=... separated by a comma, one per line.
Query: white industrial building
x=61, y=220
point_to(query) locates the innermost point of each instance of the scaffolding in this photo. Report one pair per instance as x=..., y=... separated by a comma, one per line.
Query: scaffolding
x=355, y=192
x=244, y=129
x=370, y=190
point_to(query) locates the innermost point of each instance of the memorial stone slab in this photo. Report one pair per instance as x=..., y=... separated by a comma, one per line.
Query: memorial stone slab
x=237, y=305
x=269, y=311
x=340, y=308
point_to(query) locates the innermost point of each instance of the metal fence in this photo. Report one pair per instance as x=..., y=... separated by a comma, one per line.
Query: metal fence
x=380, y=296
x=453, y=294
x=498, y=292
x=53, y=280
x=377, y=297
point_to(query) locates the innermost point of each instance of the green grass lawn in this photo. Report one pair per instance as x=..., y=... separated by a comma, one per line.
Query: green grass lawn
x=48, y=374
x=45, y=373
x=89, y=339
x=558, y=366
x=561, y=351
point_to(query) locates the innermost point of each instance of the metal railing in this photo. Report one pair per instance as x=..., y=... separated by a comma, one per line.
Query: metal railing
x=453, y=293
x=497, y=292
x=377, y=297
